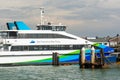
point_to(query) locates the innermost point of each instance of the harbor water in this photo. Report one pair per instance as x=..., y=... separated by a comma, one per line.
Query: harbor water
x=72, y=72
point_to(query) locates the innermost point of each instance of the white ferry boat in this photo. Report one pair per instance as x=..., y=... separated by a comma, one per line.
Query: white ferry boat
x=19, y=45
x=25, y=46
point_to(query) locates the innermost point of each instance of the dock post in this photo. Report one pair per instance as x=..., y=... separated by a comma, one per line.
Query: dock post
x=102, y=57
x=93, y=57
x=55, y=59
x=82, y=58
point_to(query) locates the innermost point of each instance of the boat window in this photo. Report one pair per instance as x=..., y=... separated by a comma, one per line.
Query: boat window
x=12, y=34
x=59, y=28
x=3, y=34
x=17, y=48
x=33, y=48
x=44, y=27
x=8, y=34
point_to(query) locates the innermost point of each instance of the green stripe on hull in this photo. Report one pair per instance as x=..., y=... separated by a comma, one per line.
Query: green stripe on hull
x=49, y=59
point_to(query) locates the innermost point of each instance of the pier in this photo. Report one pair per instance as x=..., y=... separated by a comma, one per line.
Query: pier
x=93, y=63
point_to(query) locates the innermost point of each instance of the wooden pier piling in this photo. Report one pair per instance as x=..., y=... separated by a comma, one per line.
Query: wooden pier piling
x=102, y=62
x=55, y=59
x=82, y=58
x=92, y=57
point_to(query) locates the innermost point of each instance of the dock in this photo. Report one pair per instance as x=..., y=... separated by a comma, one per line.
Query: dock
x=93, y=63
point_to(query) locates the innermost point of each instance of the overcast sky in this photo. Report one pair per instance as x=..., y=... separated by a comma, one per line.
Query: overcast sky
x=82, y=17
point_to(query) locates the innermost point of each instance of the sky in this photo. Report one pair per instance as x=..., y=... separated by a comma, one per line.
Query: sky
x=82, y=17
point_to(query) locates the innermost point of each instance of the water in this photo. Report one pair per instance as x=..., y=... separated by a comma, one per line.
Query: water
x=72, y=72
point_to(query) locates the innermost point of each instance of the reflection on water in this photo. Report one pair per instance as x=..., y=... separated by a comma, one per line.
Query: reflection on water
x=58, y=73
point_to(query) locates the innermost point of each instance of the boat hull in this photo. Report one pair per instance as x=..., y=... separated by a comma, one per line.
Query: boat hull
x=37, y=57
x=43, y=57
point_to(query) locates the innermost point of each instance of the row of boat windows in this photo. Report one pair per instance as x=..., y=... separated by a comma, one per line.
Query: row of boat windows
x=43, y=36
x=14, y=35
x=46, y=47
x=54, y=28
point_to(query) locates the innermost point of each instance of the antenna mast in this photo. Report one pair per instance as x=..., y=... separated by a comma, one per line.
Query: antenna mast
x=41, y=16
